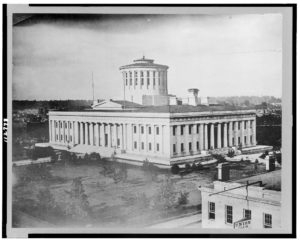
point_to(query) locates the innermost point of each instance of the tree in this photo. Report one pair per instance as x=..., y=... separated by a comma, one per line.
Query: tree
x=78, y=206
x=183, y=198
x=46, y=200
x=175, y=169
x=166, y=196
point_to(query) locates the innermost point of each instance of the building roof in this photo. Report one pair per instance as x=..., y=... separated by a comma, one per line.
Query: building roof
x=134, y=107
x=143, y=62
x=270, y=180
x=187, y=108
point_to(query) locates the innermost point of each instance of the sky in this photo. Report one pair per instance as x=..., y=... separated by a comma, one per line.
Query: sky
x=238, y=55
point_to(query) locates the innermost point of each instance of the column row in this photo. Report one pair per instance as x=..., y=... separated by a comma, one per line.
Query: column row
x=192, y=138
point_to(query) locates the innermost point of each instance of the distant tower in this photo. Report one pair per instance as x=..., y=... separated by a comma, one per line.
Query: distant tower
x=145, y=82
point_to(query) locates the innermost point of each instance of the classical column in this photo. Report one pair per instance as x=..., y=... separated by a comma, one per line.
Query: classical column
x=86, y=133
x=254, y=132
x=91, y=134
x=97, y=134
x=102, y=134
x=225, y=135
x=230, y=134
x=50, y=131
x=186, y=135
x=205, y=136
x=59, y=131
x=116, y=135
x=108, y=135
x=80, y=133
x=122, y=136
x=201, y=138
x=178, y=139
x=236, y=132
x=219, y=136
x=130, y=136
x=242, y=133
x=194, y=138
x=212, y=136
x=125, y=136
x=248, y=133
x=63, y=131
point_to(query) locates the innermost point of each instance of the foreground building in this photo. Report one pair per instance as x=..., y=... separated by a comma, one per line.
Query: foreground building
x=144, y=125
x=253, y=202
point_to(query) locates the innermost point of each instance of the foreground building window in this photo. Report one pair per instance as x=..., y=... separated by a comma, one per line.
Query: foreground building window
x=247, y=213
x=267, y=220
x=211, y=210
x=228, y=214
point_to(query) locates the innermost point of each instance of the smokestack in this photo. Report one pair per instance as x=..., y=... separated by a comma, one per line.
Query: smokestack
x=193, y=96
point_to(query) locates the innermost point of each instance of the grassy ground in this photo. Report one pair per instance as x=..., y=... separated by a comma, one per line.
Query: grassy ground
x=130, y=202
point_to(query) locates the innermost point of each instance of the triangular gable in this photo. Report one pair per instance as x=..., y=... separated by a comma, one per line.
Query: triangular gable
x=107, y=105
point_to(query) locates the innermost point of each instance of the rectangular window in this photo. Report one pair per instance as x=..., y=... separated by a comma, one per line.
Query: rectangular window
x=118, y=142
x=228, y=214
x=198, y=129
x=142, y=145
x=148, y=81
x=66, y=136
x=239, y=125
x=157, y=147
x=150, y=147
x=61, y=125
x=136, y=81
x=239, y=140
x=66, y=125
x=148, y=73
x=245, y=125
x=190, y=129
x=153, y=82
x=157, y=130
x=190, y=146
x=174, y=148
x=182, y=147
x=55, y=124
x=182, y=129
x=245, y=139
x=142, y=129
x=142, y=73
x=71, y=138
x=126, y=83
x=247, y=213
x=70, y=125
x=267, y=220
x=61, y=137
x=149, y=130
x=130, y=82
x=135, y=144
x=174, y=130
x=197, y=145
x=142, y=81
x=211, y=210
x=134, y=129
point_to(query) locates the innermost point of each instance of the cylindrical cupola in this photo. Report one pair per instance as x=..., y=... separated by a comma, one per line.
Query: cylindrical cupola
x=144, y=78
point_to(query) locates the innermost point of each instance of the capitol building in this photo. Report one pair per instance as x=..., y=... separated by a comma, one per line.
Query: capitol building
x=149, y=123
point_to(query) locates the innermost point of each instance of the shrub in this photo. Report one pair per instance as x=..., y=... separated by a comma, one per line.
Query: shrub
x=194, y=166
x=187, y=167
x=175, y=169
x=183, y=198
x=230, y=153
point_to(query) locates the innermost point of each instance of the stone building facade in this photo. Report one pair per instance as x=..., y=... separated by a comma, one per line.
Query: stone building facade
x=172, y=137
x=167, y=134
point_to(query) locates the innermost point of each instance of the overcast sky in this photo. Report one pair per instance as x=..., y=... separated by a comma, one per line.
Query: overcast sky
x=53, y=58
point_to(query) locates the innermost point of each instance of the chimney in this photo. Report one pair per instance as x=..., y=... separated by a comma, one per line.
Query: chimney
x=193, y=96
x=223, y=171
